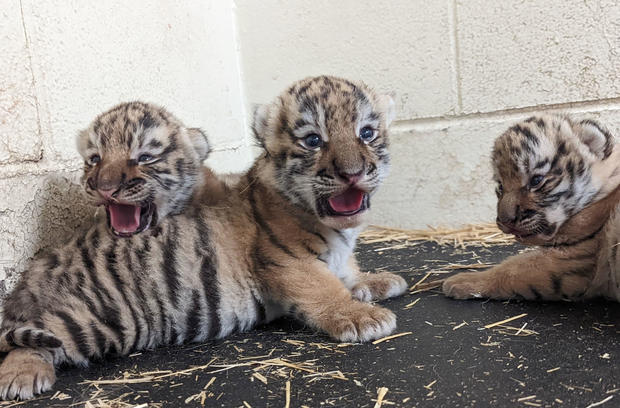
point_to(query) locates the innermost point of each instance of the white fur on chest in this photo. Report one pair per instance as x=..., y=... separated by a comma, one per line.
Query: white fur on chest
x=340, y=248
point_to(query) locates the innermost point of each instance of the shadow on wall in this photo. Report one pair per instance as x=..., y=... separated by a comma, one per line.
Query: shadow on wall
x=61, y=209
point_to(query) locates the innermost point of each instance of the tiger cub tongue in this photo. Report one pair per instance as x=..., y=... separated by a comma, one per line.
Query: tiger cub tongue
x=124, y=218
x=349, y=201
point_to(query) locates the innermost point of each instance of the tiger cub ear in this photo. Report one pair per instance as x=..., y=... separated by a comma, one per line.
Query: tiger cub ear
x=388, y=107
x=81, y=142
x=260, y=123
x=199, y=142
x=598, y=139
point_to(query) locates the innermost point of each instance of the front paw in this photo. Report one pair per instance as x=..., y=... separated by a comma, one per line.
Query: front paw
x=468, y=285
x=25, y=373
x=378, y=286
x=360, y=322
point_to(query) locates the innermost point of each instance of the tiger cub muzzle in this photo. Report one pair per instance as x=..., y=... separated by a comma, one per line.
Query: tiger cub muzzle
x=350, y=200
x=128, y=204
x=516, y=216
x=353, y=198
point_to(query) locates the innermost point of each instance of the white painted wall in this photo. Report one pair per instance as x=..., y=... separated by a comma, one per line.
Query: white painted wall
x=461, y=72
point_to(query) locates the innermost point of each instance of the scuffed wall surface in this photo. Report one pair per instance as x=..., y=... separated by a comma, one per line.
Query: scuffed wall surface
x=37, y=211
x=462, y=71
x=65, y=62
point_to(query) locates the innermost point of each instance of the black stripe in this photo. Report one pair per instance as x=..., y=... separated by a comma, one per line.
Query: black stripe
x=260, y=261
x=10, y=338
x=169, y=264
x=112, y=268
x=163, y=320
x=100, y=339
x=577, y=242
x=208, y=277
x=37, y=340
x=316, y=234
x=556, y=282
x=193, y=319
x=78, y=336
x=144, y=254
x=536, y=293
x=142, y=303
x=112, y=317
x=341, y=236
x=172, y=146
x=263, y=224
x=585, y=271
x=26, y=337
x=259, y=307
x=175, y=335
x=310, y=249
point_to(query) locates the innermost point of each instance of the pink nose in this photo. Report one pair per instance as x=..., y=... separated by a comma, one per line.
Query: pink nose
x=352, y=178
x=107, y=194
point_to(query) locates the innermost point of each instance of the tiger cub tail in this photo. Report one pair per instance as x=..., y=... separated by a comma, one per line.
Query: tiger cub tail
x=28, y=337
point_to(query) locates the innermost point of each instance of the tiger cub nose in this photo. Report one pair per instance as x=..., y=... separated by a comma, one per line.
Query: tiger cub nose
x=107, y=193
x=507, y=215
x=351, y=178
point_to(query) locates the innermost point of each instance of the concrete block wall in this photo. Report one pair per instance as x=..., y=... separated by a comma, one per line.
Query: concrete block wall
x=64, y=62
x=462, y=71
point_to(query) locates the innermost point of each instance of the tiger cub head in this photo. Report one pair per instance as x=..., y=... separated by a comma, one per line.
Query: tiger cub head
x=141, y=164
x=325, y=144
x=547, y=169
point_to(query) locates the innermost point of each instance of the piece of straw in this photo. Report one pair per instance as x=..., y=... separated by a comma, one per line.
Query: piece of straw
x=510, y=319
x=380, y=395
x=381, y=340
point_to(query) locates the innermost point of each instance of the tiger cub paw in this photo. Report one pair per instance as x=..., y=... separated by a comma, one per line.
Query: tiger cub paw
x=360, y=323
x=25, y=373
x=378, y=286
x=468, y=285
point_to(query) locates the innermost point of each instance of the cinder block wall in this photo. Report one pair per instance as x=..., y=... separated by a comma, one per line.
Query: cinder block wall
x=461, y=71
x=64, y=62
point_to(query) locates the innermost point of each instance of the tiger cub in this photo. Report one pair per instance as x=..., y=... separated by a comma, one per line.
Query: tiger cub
x=279, y=241
x=558, y=188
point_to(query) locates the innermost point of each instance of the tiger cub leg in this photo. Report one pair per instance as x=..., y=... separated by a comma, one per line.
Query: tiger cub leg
x=538, y=275
x=322, y=301
x=369, y=287
x=26, y=372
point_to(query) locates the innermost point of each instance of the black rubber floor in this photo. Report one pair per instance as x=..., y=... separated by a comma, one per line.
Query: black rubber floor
x=565, y=355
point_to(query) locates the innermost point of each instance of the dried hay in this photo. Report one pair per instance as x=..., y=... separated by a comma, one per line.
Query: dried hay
x=482, y=235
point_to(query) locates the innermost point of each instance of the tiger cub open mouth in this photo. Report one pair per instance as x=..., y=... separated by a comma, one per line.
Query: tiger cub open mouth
x=126, y=220
x=350, y=202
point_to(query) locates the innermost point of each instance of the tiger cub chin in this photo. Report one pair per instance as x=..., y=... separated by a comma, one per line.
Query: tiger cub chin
x=192, y=267
x=558, y=188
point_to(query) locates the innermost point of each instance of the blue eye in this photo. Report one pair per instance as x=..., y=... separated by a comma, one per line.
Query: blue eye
x=94, y=159
x=144, y=158
x=313, y=141
x=367, y=134
x=536, y=180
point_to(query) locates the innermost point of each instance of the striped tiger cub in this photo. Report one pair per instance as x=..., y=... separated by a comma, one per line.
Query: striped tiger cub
x=279, y=241
x=558, y=188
